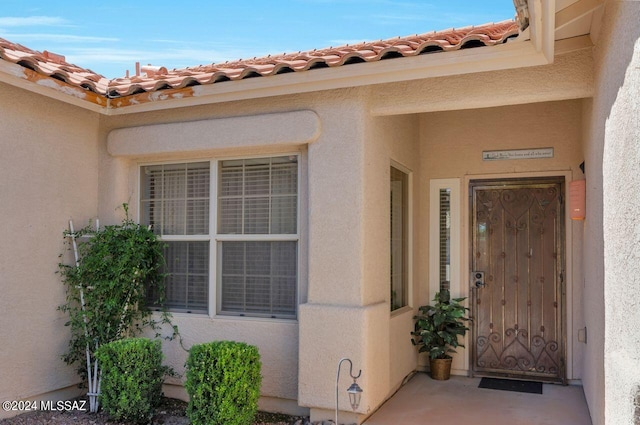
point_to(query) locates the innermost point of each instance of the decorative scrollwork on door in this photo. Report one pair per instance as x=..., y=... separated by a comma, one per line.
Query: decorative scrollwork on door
x=518, y=353
x=517, y=241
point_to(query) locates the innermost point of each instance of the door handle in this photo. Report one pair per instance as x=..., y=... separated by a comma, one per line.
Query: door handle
x=478, y=279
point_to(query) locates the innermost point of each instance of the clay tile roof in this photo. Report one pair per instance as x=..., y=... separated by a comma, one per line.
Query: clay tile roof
x=158, y=78
x=53, y=65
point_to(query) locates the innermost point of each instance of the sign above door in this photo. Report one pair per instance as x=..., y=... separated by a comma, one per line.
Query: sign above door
x=517, y=154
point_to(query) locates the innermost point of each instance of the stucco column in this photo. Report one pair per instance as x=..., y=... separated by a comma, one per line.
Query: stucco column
x=337, y=321
x=620, y=86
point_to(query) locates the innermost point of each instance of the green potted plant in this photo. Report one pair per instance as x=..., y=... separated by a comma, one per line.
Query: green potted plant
x=437, y=330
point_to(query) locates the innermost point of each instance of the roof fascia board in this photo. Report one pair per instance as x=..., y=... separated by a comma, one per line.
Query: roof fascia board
x=576, y=11
x=490, y=58
x=24, y=78
x=542, y=23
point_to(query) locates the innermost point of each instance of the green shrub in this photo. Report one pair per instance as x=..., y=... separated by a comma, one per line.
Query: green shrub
x=223, y=382
x=132, y=375
x=118, y=273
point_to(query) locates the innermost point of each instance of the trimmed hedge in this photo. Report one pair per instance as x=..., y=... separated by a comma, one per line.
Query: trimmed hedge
x=132, y=376
x=223, y=383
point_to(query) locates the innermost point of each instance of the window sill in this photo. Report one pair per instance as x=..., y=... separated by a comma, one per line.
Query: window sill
x=402, y=311
x=225, y=318
x=234, y=318
x=199, y=315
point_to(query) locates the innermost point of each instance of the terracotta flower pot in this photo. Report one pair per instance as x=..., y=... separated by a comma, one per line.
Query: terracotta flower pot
x=440, y=369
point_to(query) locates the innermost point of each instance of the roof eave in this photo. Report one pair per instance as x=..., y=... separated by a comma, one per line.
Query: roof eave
x=537, y=50
x=24, y=78
x=481, y=59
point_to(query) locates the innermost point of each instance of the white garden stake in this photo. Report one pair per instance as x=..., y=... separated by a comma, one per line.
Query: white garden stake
x=93, y=380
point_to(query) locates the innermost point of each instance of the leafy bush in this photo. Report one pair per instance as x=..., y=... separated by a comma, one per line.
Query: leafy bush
x=117, y=267
x=132, y=375
x=223, y=382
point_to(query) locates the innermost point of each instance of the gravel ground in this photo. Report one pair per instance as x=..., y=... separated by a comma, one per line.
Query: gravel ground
x=170, y=412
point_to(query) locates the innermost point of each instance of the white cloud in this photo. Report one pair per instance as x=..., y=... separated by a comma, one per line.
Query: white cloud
x=58, y=38
x=27, y=21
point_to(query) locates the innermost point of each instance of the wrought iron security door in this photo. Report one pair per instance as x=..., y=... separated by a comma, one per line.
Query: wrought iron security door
x=517, y=260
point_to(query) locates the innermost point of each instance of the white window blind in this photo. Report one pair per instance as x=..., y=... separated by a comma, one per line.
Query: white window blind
x=175, y=202
x=258, y=197
x=445, y=239
x=187, y=278
x=175, y=198
x=259, y=277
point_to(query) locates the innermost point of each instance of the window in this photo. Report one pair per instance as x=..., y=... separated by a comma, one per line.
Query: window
x=257, y=236
x=255, y=240
x=175, y=202
x=399, y=238
x=444, y=237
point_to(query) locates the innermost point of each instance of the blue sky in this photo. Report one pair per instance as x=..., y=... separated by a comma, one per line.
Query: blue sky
x=111, y=36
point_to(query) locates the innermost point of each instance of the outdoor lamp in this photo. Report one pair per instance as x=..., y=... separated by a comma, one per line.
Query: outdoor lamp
x=354, y=391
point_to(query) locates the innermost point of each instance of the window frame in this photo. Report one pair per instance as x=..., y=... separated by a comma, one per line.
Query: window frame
x=408, y=306
x=455, y=285
x=217, y=238
x=214, y=238
x=179, y=238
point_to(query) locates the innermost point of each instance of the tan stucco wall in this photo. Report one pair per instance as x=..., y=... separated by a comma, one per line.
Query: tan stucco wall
x=349, y=259
x=593, y=258
x=451, y=145
x=332, y=285
x=344, y=310
x=277, y=340
x=344, y=287
x=377, y=340
x=615, y=132
x=392, y=139
x=344, y=269
x=570, y=76
x=47, y=176
x=461, y=136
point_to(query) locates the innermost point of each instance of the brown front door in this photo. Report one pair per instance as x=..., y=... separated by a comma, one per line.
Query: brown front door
x=517, y=266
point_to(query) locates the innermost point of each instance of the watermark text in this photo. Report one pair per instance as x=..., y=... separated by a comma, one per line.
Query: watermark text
x=44, y=405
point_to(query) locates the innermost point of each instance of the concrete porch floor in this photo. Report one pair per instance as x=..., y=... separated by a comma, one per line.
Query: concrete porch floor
x=459, y=401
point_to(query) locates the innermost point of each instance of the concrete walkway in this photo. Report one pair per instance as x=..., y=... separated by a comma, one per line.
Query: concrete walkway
x=424, y=401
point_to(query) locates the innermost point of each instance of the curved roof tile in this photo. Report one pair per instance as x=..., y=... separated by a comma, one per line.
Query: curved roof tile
x=52, y=65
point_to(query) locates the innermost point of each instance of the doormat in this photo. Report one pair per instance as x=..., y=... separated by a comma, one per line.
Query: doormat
x=511, y=385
